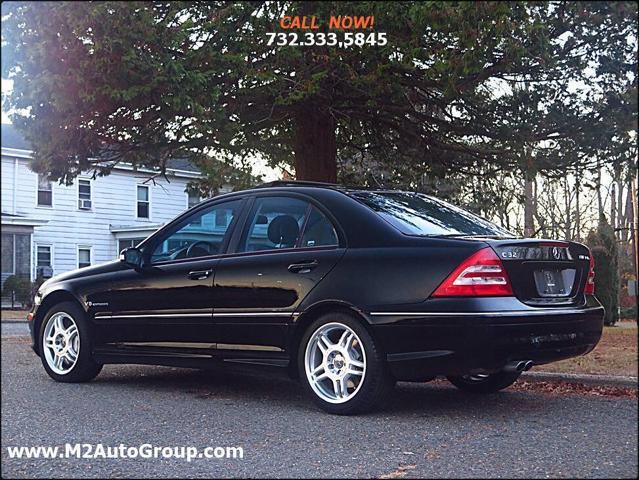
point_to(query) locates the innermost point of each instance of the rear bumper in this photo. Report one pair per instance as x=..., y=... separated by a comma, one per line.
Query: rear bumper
x=455, y=344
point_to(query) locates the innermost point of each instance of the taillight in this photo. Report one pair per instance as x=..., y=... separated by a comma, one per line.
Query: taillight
x=480, y=275
x=590, y=283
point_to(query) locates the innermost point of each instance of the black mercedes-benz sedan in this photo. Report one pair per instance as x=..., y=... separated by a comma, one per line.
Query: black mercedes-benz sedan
x=347, y=289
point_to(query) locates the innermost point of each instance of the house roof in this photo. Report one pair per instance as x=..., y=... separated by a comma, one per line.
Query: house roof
x=13, y=219
x=11, y=138
x=182, y=164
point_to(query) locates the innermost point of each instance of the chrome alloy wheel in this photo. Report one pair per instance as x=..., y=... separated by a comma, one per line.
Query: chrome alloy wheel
x=335, y=363
x=61, y=343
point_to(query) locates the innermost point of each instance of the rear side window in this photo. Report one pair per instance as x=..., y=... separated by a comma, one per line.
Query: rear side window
x=285, y=222
x=318, y=231
x=418, y=214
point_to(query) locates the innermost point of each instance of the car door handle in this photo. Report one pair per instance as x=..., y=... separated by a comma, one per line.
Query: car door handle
x=303, y=267
x=200, y=274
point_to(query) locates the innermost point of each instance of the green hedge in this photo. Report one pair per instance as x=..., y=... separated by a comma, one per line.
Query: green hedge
x=18, y=289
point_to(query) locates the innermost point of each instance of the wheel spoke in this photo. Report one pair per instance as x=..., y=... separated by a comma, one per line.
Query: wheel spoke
x=71, y=331
x=346, y=339
x=356, y=363
x=70, y=356
x=337, y=389
x=59, y=324
x=357, y=373
x=344, y=385
x=319, y=373
x=324, y=343
x=57, y=362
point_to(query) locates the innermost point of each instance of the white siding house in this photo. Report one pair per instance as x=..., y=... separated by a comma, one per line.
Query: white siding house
x=49, y=228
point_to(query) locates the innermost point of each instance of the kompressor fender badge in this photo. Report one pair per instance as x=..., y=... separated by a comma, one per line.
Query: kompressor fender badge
x=97, y=304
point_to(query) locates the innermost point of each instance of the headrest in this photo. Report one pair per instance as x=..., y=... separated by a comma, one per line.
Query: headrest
x=283, y=230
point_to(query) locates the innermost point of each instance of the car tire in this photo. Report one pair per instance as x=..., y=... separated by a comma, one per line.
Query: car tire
x=484, y=383
x=342, y=367
x=65, y=344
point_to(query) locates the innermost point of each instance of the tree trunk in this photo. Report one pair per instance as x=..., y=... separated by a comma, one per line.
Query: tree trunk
x=614, y=221
x=634, y=211
x=529, y=195
x=600, y=209
x=626, y=233
x=577, y=206
x=529, y=205
x=567, y=206
x=315, y=145
x=621, y=221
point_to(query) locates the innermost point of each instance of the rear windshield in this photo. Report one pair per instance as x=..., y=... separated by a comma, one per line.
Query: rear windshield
x=418, y=214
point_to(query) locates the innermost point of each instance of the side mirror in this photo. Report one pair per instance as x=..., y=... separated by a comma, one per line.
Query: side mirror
x=132, y=256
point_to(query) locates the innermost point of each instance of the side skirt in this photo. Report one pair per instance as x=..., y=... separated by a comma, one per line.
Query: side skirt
x=174, y=355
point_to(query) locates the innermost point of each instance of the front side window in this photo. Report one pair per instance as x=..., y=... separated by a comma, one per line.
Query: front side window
x=198, y=236
x=84, y=257
x=143, y=205
x=84, y=194
x=284, y=222
x=418, y=214
x=45, y=191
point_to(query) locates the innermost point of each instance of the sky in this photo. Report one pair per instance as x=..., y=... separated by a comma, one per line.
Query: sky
x=6, y=88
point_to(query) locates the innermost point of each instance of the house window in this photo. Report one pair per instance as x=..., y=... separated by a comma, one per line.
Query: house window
x=44, y=256
x=44, y=261
x=143, y=201
x=45, y=191
x=221, y=218
x=84, y=194
x=84, y=257
x=8, y=251
x=127, y=243
x=193, y=199
x=16, y=255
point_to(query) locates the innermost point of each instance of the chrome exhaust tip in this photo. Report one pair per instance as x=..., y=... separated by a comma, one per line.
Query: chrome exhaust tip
x=518, y=366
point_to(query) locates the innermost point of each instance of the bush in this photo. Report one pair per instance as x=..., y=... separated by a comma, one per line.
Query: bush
x=18, y=289
x=603, y=246
x=629, y=313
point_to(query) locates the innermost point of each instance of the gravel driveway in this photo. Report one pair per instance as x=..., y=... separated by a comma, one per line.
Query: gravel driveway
x=429, y=430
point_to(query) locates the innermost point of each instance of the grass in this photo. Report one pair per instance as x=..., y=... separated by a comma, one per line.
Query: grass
x=616, y=354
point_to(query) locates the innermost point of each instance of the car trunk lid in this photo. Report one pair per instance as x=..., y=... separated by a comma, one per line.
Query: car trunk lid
x=544, y=272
